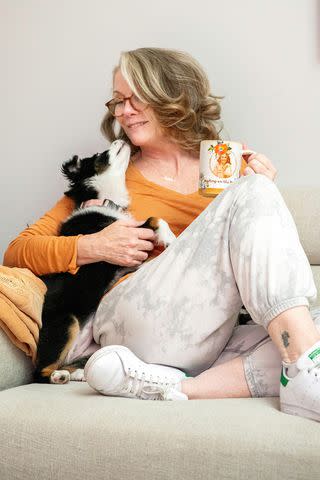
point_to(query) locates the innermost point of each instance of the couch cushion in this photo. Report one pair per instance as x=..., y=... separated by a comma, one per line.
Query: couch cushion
x=303, y=203
x=15, y=367
x=70, y=432
x=316, y=276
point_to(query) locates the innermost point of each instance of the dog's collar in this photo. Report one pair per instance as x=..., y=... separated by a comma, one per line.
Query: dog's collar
x=112, y=204
x=108, y=203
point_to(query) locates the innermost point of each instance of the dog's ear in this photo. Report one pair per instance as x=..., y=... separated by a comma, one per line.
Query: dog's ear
x=71, y=168
x=101, y=161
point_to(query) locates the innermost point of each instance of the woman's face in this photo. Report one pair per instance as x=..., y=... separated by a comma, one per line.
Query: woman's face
x=141, y=127
x=224, y=158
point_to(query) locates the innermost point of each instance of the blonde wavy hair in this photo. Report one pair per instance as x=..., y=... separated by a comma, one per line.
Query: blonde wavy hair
x=175, y=85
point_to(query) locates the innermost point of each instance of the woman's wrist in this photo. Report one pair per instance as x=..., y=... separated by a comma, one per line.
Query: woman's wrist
x=86, y=252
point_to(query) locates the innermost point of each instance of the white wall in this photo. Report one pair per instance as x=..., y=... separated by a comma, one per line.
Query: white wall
x=56, y=62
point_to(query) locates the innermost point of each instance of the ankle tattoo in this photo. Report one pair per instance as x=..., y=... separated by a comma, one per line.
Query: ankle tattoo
x=285, y=338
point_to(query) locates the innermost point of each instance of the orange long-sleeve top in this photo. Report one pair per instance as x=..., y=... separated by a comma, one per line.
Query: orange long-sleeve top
x=40, y=249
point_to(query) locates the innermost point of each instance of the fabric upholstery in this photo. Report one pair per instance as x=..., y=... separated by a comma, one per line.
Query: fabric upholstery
x=15, y=367
x=304, y=205
x=69, y=432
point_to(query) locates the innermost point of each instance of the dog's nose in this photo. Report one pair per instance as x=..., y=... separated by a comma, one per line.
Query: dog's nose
x=118, y=143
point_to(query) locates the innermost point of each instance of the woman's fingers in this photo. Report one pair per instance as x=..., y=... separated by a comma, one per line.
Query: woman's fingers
x=90, y=203
x=259, y=163
x=145, y=245
x=248, y=171
x=146, y=234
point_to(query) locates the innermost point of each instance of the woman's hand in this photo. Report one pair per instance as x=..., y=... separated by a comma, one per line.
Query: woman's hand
x=90, y=203
x=259, y=163
x=121, y=243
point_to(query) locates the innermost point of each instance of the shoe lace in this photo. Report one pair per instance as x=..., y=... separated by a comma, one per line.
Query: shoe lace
x=146, y=388
x=315, y=369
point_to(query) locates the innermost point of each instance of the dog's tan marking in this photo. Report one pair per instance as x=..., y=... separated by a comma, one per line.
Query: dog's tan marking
x=70, y=368
x=73, y=331
x=153, y=222
x=46, y=372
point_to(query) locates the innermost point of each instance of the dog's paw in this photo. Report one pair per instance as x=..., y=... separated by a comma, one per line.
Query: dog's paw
x=77, y=375
x=60, y=377
x=165, y=236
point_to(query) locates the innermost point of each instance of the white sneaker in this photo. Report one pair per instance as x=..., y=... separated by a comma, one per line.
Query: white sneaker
x=116, y=371
x=300, y=385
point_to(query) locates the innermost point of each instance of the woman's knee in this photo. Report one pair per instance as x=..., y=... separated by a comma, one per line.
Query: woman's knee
x=241, y=204
x=258, y=195
x=256, y=182
x=248, y=186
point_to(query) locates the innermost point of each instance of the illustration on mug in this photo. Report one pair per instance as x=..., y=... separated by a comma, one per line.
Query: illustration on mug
x=222, y=163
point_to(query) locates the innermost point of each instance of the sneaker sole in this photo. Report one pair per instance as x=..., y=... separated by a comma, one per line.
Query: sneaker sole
x=100, y=353
x=300, y=412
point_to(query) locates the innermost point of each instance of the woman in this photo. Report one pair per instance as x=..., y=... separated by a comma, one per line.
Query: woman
x=223, y=166
x=181, y=308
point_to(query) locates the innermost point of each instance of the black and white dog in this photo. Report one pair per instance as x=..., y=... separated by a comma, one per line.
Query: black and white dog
x=70, y=299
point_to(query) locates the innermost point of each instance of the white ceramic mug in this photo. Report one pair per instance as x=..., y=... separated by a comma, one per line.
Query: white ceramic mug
x=220, y=164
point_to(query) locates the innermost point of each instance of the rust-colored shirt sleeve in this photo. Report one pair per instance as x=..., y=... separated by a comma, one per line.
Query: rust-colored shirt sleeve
x=39, y=247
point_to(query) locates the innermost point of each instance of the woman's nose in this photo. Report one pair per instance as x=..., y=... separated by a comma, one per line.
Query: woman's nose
x=128, y=108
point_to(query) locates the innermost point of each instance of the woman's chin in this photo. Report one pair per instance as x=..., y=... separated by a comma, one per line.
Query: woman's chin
x=140, y=140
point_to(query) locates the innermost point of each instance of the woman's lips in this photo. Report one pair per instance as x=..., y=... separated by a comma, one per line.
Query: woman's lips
x=137, y=125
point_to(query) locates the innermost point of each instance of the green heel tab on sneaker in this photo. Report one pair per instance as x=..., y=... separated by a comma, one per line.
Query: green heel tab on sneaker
x=283, y=378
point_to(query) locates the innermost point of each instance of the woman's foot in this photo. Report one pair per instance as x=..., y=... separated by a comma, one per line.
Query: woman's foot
x=116, y=371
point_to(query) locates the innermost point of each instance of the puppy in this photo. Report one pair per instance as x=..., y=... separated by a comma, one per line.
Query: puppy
x=70, y=299
x=244, y=317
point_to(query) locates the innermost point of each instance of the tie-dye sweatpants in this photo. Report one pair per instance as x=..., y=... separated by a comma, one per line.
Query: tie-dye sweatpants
x=181, y=308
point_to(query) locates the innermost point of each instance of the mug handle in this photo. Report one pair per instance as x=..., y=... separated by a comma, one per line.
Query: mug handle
x=247, y=152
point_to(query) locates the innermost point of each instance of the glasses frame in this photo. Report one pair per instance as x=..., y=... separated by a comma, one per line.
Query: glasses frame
x=124, y=99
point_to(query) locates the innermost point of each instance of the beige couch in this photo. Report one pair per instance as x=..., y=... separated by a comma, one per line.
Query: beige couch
x=68, y=432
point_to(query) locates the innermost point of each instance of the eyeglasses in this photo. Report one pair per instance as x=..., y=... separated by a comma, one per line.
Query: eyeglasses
x=116, y=105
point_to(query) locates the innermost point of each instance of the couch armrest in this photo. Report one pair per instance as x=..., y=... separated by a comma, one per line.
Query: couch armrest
x=15, y=367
